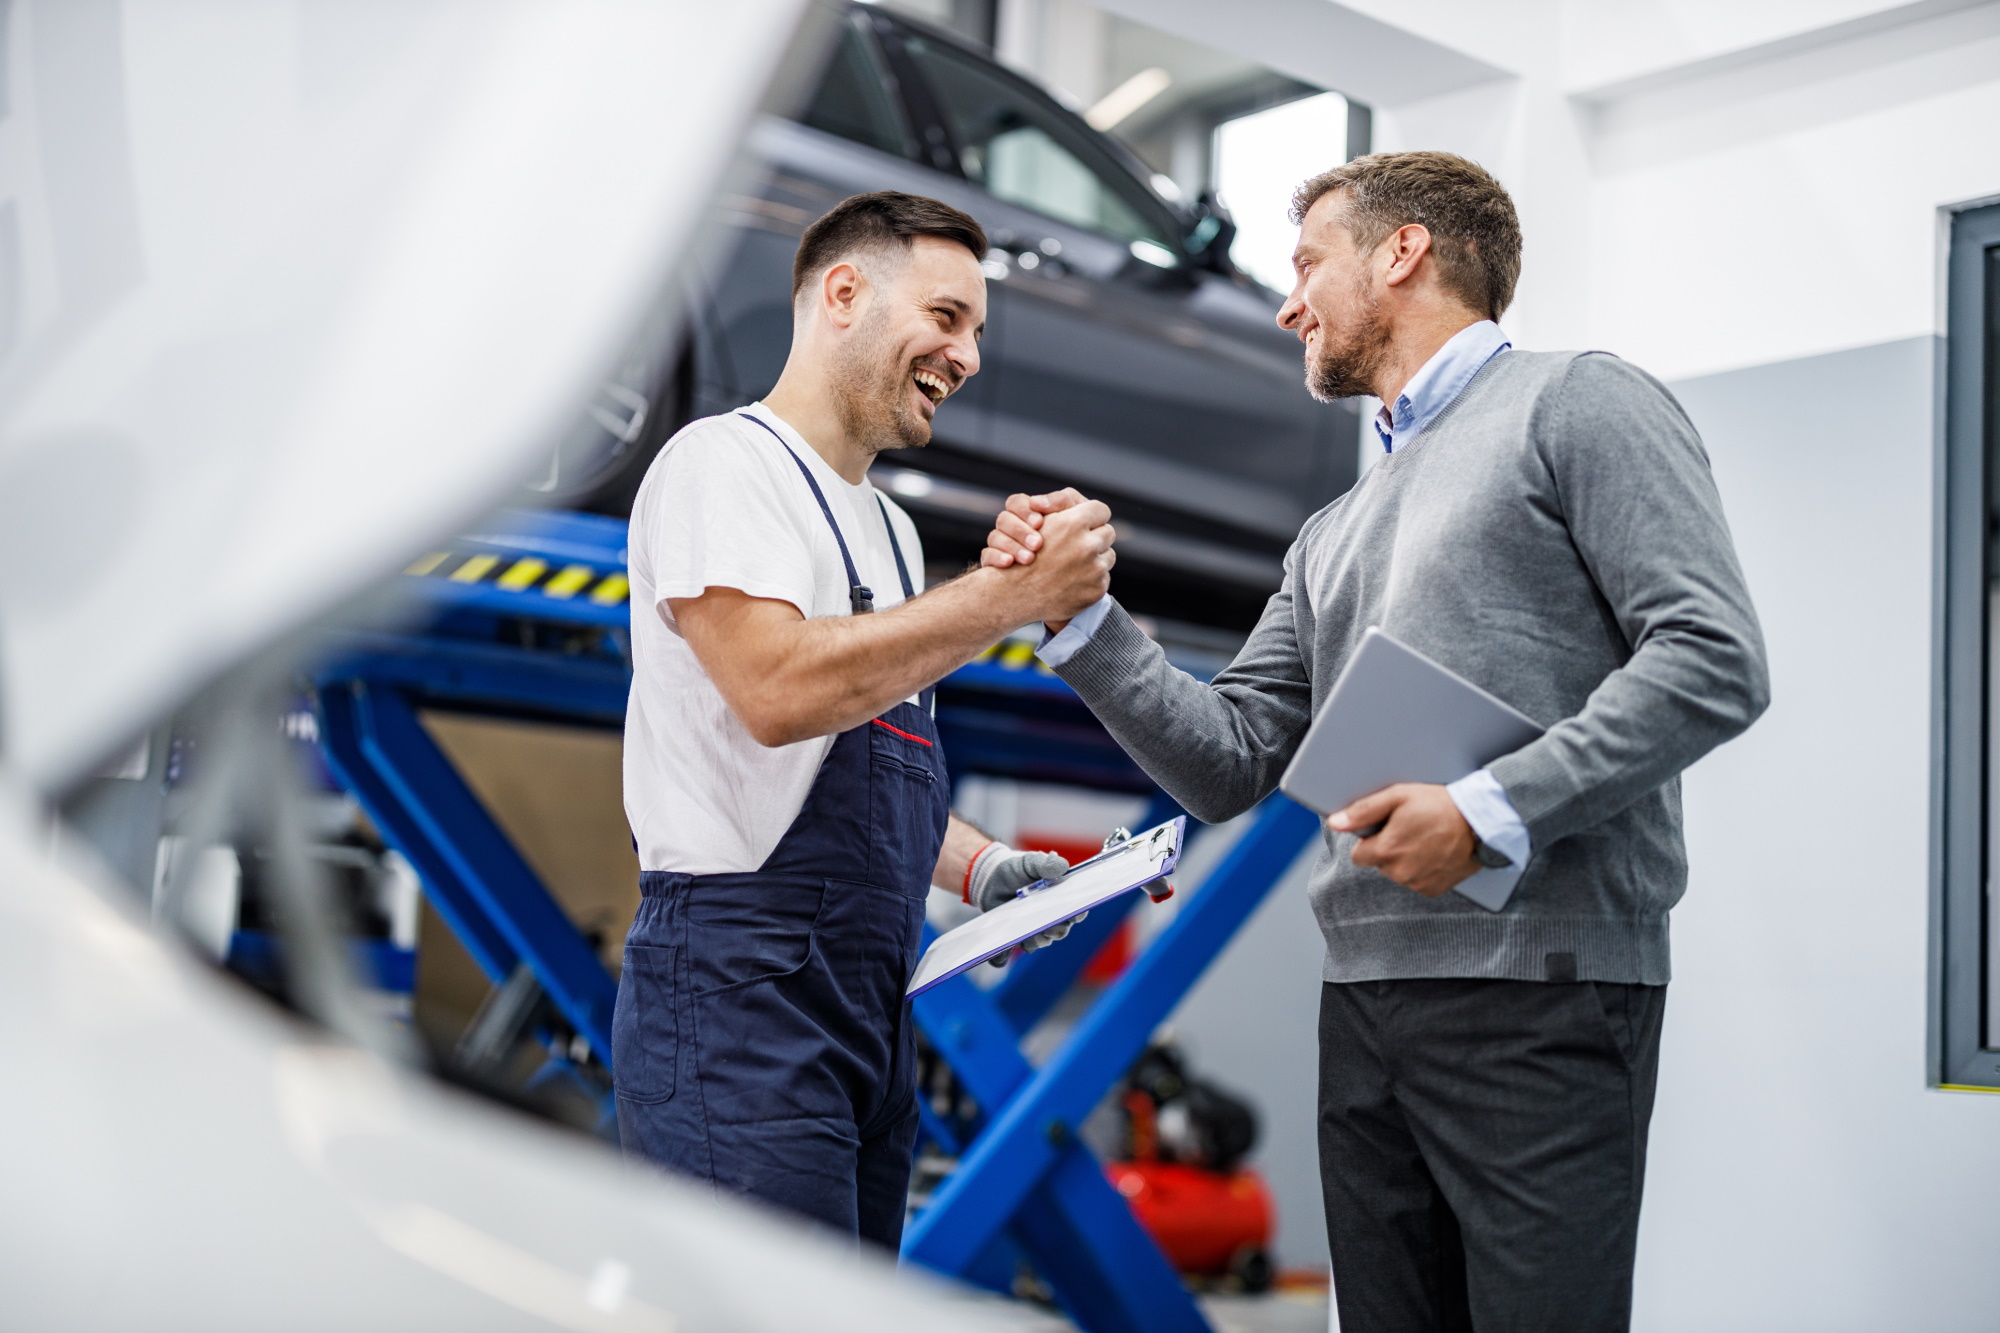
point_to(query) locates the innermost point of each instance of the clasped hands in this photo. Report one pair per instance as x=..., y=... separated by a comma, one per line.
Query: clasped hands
x=1066, y=538
x=1416, y=835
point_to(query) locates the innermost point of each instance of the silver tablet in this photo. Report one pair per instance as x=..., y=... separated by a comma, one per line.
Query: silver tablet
x=1396, y=716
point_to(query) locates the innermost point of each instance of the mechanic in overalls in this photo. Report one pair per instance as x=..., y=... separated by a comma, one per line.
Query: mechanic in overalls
x=782, y=773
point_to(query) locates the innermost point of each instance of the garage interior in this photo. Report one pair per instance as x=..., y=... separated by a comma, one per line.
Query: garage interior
x=334, y=345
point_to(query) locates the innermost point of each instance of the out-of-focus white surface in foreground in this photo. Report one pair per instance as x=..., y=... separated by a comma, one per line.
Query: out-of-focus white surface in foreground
x=286, y=289
x=176, y=1155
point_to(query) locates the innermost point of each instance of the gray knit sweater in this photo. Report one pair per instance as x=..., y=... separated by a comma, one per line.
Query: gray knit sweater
x=1555, y=536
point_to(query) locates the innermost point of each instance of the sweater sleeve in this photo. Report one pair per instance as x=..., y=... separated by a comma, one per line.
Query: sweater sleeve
x=1217, y=748
x=1634, y=487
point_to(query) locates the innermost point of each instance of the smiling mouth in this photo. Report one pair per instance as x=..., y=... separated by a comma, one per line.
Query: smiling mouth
x=931, y=385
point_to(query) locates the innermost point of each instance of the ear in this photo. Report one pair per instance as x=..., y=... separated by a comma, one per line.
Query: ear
x=843, y=290
x=1404, y=249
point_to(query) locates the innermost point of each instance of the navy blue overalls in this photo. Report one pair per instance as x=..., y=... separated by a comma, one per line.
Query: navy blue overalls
x=761, y=1040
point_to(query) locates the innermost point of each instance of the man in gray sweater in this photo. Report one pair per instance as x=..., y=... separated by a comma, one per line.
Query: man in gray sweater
x=1544, y=524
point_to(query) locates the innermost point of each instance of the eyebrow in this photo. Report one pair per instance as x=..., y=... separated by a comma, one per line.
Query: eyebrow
x=962, y=307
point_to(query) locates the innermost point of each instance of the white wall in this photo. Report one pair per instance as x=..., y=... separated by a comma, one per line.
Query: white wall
x=1743, y=198
x=1802, y=1174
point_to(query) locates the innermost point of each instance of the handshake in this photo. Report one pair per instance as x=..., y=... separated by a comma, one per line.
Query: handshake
x=1052, y=554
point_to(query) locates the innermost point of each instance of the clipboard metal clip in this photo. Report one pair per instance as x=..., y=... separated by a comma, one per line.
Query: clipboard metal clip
x=1119, y=837
x=1160, y=890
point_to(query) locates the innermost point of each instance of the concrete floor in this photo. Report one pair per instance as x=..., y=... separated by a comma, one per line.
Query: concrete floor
x=1283, y=1312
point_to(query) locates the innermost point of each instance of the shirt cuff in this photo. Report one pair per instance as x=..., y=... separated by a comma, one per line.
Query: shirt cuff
x=1057, y=649
x=1483, y=801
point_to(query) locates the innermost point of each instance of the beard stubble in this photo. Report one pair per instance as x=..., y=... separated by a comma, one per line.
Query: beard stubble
x=873, y=391
x=1347, y=369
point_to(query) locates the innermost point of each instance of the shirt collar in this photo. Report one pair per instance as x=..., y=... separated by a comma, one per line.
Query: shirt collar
x=1441, y=379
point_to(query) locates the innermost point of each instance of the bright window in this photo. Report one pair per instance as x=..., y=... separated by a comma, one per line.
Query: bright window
x=1259, y=160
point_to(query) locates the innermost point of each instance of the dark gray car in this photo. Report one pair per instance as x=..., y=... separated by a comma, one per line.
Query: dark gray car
x=1123, y=353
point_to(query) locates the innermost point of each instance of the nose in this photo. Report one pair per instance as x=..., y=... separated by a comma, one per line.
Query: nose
x=1292, y=312
x=964, y=355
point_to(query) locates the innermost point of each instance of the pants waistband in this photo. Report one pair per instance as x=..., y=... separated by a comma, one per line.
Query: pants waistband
x=663, y=883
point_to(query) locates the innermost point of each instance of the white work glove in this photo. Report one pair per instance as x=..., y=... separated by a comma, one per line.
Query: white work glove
x=999, y=873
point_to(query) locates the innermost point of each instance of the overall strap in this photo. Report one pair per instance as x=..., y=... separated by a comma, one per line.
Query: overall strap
x=902, y=570
x=926, y=699
x=858, y=597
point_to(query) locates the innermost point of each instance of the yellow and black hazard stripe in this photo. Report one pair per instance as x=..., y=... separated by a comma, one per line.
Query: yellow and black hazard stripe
x=527, y=574
x=1014, y=655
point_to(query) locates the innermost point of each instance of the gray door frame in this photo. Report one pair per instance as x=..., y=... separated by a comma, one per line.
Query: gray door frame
x=1964, y=1041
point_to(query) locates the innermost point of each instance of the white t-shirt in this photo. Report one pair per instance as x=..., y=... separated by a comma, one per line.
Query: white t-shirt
x=723, y=507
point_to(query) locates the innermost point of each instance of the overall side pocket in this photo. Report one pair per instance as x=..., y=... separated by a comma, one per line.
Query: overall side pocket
x=645, y=1024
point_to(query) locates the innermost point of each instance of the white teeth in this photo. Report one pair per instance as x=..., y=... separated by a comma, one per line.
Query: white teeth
x=932, y=383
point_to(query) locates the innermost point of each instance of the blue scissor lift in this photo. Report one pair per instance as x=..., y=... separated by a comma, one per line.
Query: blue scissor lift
x=530, y=619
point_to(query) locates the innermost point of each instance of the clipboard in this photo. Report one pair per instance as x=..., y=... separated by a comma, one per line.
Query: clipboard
x=1135, y=863
x=1396, y=716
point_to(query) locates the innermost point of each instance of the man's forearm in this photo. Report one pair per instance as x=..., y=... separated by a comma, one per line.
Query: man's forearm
x=962, y=842
x=789, y=677
x=838, y=672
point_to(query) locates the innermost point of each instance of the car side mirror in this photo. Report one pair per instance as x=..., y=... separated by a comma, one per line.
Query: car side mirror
x=1213, y=232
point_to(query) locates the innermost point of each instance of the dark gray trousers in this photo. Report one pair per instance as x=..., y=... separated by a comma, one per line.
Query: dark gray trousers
x=1482, y=1147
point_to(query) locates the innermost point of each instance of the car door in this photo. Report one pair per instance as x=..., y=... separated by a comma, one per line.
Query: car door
x=1119, y=365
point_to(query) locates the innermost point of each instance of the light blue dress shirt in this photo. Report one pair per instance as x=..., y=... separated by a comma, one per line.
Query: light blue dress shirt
x=1479, y=796
x=1437, y=382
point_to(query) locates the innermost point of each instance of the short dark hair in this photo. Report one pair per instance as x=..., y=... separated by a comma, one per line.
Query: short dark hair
x=872, y=221
x=1475, y=235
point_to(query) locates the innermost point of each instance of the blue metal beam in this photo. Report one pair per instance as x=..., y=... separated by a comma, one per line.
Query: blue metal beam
x=1076, y=1229
x=444, y=822
x=1028, y=1136
x=1106, y=1271
x=486, y=676
x=340, y=736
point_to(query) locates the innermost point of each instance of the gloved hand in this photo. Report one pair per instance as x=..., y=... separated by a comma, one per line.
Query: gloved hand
x=999, y=873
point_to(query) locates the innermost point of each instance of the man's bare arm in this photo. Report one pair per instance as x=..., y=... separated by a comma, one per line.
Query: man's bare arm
x=789, y=678
x=962, y=842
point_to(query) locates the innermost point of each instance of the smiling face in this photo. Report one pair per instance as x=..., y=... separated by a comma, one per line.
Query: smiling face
x=914, y=343
x=1335, y=307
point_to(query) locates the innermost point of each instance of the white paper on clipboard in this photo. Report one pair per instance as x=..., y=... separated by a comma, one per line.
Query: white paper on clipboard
x=1131, y=865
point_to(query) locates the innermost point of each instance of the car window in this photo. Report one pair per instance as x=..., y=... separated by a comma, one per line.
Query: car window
x=855, y=98
x=1025, y=151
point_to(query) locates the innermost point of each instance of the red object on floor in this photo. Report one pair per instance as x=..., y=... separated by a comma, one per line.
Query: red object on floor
x=1200, y=1219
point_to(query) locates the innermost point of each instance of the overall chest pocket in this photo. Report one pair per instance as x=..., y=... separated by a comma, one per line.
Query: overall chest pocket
x=908, y=805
